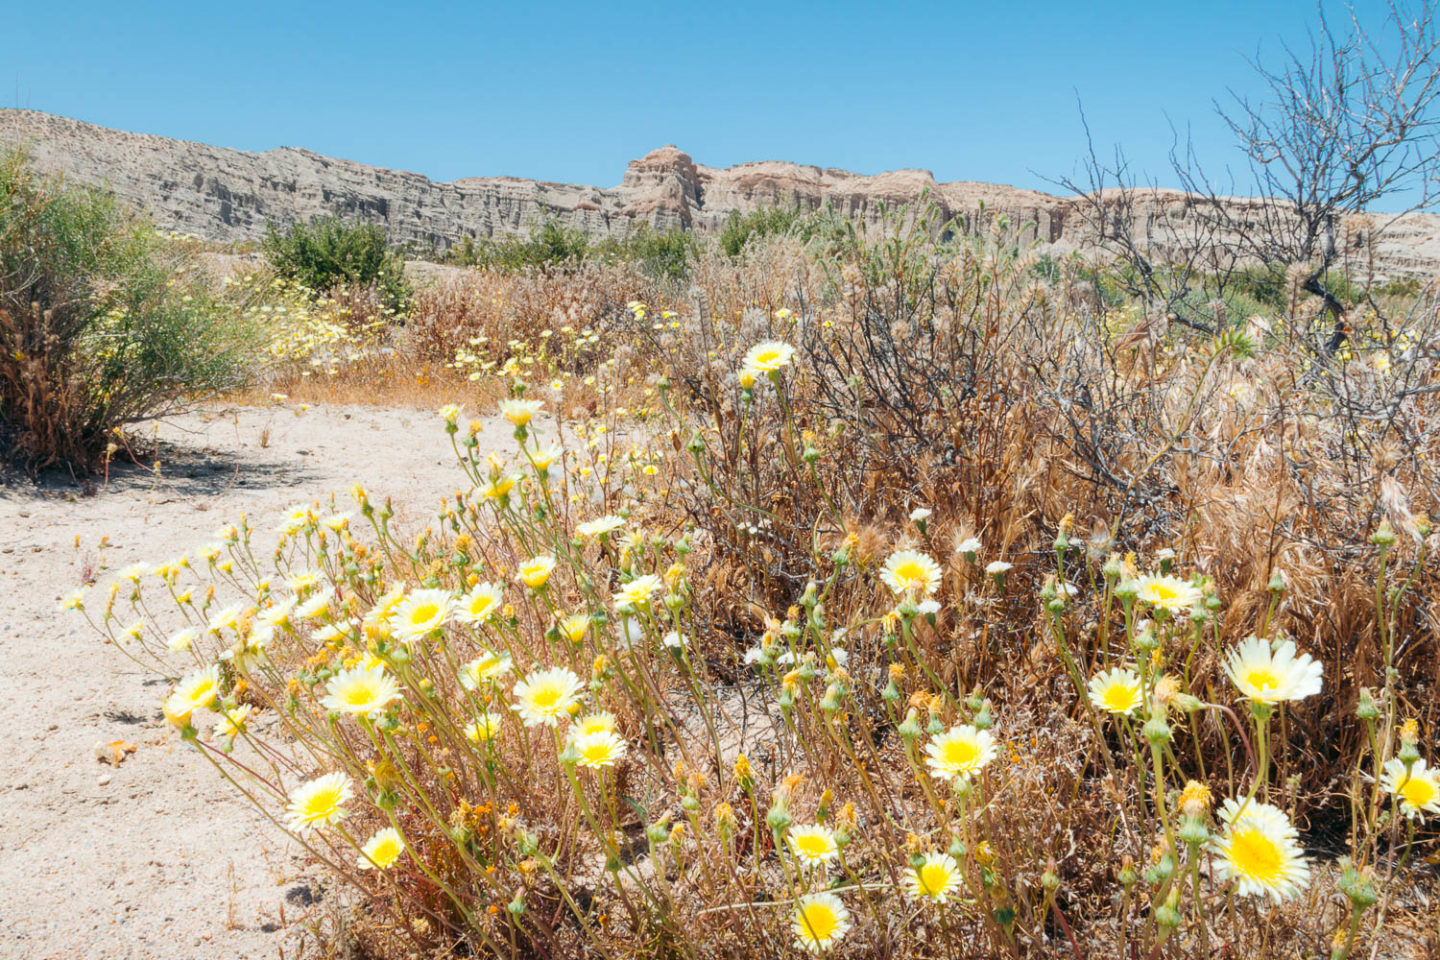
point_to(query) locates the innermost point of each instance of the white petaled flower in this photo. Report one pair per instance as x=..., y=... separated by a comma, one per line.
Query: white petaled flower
x=320, y=802
x=535, y=572
x=480, y=604
x=276, y=615
x=1418, y=791
x=935, y=879
x=969, y=545
x=382, y=850
x=820, y=921
x=182, y=640
x=545, y=696
x=421, y=613
x=362, y=690
x=1170, y=594
x=450, y=412
x=316, y=605
x=225, y=618
x=520, y=412
x=1273, y=676
x=961, y=751
x=997, y=567
x=600, y=526
x=1260, y=850
x=814, y=844
x=199, y=690
x=911, y=572
x=232, y=722
x=767, y=357
x=488, y=666
x=1117, y=691
x=484, y=729
x=599, y=748
x=595, y=723
x=635, y=595
x=921, y=513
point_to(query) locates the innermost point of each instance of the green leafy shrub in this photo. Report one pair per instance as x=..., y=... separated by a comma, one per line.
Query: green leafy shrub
x=662, y=254
x=103, y=322
x=765, y=222
x=329, y=252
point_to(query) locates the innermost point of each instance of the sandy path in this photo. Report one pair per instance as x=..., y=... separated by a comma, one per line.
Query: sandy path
x=159, y=860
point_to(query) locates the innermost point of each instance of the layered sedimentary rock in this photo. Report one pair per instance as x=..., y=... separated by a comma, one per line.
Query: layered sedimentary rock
x=230, y=195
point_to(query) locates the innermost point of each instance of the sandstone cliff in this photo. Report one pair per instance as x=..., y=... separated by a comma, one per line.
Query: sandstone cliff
x=230, y=195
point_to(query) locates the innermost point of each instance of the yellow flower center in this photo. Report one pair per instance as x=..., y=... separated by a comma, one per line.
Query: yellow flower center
x=818, y=921
x=596, y=753
x=423, y=613
x=359, y=695
x=811, y=845
x=385, y=852
x=1262, y=679
x=961, y=753
x=767, y=359
x=545, y=698
x=1119, y=698
x=910, y=574
x=322, y=804
x=1256, y=855
x=934, y=878
x=1419, y=791
x=204, y=692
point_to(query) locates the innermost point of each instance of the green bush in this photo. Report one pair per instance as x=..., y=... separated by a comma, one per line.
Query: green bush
x=663, y=254
x=765, y=222
x=329, y=252
x=103, y=322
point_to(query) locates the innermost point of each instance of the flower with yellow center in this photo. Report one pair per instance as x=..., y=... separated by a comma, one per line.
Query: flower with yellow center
x=232, y=722
x=499, y=487
x=635, y=595
x=911, y=573
x=1273, y=676
x=276, y=615
x=382, y=850
x=544, y=457
x=574, y=627
x=600, y=748
x=200, y=689
x=935, y=879
x=1167, y=593
x=813, y=844
x=767, y=357
x=480, y=604
x=316, y=605
x=422, y=612
x=820, y=921
x=961, y=751
x=361, y=690
x=1117, y=691
x=486, y=667
x=595, y=722
x=600, y=526
x=535, y=572
x=483, y=729
x=450, y=413
x=182, y=640
x=545, y=696
x=384, y=607
x=319, y=802
x=1417, y=791
x=520, y=412
x=225, y=619
x=1260, y=851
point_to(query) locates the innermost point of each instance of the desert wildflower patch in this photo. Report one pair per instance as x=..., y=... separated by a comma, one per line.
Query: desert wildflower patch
x=774, y=659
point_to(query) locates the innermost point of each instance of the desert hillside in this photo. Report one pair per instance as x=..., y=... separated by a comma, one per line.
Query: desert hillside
x=229, y=195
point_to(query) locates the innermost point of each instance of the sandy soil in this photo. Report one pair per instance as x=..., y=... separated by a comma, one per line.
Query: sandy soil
x=154, y=858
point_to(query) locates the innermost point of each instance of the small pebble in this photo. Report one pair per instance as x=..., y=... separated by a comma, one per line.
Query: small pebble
x=104, y=779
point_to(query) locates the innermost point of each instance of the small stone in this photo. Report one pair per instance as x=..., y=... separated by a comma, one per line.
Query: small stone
x=103, y=779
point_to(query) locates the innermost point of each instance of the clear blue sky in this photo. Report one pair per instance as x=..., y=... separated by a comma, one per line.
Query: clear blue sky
x=571, y=91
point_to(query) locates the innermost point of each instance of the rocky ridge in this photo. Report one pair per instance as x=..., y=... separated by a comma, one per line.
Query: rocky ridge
x=229, y=195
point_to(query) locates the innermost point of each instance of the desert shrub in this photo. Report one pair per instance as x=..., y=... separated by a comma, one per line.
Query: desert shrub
x=330, y=253
x=843, y=564
x=103, y=322
x=663, y=254
x=739, y=227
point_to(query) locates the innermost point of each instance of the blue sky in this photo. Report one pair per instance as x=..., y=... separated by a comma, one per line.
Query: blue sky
x=572, y=91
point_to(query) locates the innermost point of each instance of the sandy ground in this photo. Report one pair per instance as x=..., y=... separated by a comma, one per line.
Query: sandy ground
x=154, y=858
